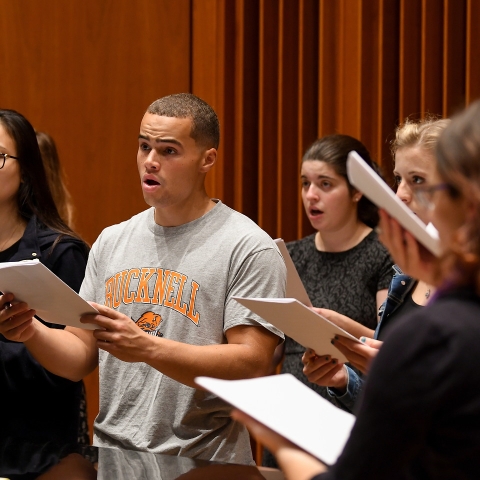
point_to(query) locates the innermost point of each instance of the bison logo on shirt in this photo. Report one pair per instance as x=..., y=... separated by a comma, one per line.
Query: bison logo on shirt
x=149, y=322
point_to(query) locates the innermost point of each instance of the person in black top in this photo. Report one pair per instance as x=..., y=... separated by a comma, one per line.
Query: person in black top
x=419, y=415
x=36, y=405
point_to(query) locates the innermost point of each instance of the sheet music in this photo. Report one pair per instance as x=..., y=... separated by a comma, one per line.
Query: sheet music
x=52, y=299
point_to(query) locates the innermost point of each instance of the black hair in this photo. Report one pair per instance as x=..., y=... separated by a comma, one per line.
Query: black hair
x=205, y=125
x=334, y=150
x=34, y=196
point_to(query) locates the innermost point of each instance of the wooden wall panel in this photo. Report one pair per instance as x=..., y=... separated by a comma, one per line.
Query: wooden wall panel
x=246, y=107
x=267, y=115
x=287, y=173
x=409, y=58
x=472, y=51
x=327, y=58
x=454, y=47
x=431, y=63
x=85, y=72
x=349, y=67
x=307, y=97
x=369, y=41
x=387, y=92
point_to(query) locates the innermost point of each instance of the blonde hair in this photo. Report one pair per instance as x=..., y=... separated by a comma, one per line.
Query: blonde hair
x=421, y=133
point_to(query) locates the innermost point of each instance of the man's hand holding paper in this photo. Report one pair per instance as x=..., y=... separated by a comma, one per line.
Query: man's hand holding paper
x=118, y=335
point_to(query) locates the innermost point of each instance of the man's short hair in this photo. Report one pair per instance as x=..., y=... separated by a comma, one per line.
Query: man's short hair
x=205, y=125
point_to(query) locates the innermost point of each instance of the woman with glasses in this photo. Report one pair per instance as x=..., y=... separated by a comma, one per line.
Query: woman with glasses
x=413, y=151
x=42, y=405
x=419, y=416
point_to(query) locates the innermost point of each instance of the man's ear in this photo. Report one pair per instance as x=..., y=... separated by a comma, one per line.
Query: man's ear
x=209, y=159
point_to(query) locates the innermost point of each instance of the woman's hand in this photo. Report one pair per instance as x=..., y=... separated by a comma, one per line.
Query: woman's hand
x=295, y=463
x=412, y=257
x=360, y=355
x=346, y=323
x=16, y=320
x=324, y=370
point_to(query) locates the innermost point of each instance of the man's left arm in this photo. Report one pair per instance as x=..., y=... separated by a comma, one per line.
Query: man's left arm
x=247, y=354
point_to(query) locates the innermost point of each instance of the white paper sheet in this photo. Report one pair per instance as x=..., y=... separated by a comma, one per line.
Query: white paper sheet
x=52, y=299
x=299, y=322
x=295, y=288
x=365, y=179
x=287, y=406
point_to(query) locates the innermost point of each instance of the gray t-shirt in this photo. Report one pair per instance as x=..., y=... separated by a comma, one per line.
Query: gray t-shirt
x=178, y=282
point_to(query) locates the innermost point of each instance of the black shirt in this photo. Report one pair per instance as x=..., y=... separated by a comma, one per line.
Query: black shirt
x=419, y=415
x=346, y=282
x=39, y=404
x=6, y=255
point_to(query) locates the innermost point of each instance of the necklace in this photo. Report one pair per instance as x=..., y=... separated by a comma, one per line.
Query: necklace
x=6, y=242
x=427, y=293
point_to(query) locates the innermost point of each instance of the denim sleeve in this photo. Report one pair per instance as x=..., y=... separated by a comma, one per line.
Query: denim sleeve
x=354, y=386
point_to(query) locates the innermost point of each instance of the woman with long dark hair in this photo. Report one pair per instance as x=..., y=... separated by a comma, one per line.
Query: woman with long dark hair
x=43, y=405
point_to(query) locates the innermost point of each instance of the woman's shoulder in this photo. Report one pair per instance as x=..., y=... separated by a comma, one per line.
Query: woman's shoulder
x=304, y=244
x=371, y=241
x=48, y=237
x=452, y=317
x=371, y=247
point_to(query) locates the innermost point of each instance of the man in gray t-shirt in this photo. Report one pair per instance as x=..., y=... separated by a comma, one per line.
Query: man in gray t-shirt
x=163, y=283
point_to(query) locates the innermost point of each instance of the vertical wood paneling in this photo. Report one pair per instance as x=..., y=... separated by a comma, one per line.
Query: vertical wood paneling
x=307, y=96
x=267, y=115
x=349, y=67
x=246, y=107
x=472, y=67
x=370, y=85
x=410, y=58
x=287, y=118
x=85, y=72
x=327, y=59
x=387, y=93
x=454, y=56
x=431, y=62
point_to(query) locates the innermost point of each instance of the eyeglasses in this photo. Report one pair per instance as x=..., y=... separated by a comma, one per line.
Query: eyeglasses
x=5, y=156
x=424, y=193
